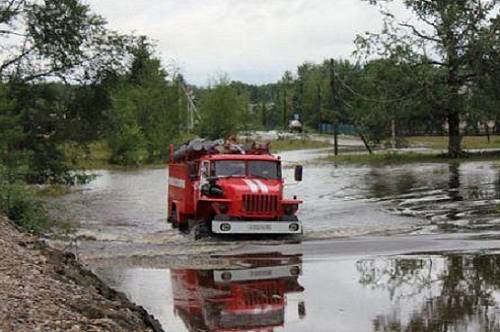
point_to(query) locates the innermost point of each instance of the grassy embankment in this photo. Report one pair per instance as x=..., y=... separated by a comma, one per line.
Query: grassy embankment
x=439, y=143
x=390, y=158
x=290, y=145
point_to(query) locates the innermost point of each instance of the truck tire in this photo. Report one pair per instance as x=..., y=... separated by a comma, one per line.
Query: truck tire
x=202, y=230
x=173, y=218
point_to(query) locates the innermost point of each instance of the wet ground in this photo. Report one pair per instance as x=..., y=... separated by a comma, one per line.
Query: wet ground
x=395, y=248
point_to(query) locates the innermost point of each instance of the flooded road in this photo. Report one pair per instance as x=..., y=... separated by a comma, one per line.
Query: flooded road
x=393, y=248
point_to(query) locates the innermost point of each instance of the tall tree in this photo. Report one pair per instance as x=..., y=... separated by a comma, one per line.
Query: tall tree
x=55, y=38
x=456, y=36
x=145, y=111
x=222, y=110
x=286, y=88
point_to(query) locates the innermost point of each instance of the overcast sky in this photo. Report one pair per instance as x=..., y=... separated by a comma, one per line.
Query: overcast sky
x=254, y=41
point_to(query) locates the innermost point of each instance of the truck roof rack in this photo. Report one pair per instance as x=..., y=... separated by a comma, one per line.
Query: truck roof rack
x=197, y=148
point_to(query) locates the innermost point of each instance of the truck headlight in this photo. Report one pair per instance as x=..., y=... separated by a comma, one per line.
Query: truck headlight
x=225, y=227
x=226, y=276
x=294, y=227
x=295, y=271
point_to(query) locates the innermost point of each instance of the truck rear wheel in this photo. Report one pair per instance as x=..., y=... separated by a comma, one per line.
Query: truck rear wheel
x=183, y=227
x=173, y=218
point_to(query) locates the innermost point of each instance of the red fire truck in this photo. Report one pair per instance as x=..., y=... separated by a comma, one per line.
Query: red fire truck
x=245, y=299
x=223, y=188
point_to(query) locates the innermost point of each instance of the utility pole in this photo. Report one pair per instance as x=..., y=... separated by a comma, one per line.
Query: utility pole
x=334, y=107
x=193, y=116
x=285, y=108
x=318, y=100
x=393, y=130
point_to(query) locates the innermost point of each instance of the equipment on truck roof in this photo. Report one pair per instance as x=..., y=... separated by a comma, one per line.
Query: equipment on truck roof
x=199, y=147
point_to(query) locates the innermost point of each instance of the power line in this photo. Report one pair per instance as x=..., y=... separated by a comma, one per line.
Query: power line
x=382, y=101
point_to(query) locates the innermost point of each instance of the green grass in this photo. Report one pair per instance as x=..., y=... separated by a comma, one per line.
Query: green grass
x=99, y=156
x=289, y=145
x=53, y=190
x=390, y=158
x=441, y=142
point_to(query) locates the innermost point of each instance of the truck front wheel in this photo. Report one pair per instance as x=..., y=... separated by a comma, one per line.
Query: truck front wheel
x=202, y=230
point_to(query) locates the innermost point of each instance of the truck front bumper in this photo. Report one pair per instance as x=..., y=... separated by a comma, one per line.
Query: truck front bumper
x=258, y=273
x=256, y=227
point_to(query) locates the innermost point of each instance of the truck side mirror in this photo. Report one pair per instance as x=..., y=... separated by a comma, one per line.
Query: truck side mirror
x=298, y=173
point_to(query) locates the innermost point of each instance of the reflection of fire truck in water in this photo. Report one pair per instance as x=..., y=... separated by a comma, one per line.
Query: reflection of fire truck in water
x=239, y=299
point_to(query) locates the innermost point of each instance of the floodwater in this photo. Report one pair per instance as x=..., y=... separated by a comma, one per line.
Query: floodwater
x=393, y=248
x=431, y=292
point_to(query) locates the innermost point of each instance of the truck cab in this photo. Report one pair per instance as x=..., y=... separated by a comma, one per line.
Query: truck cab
x=232, y=194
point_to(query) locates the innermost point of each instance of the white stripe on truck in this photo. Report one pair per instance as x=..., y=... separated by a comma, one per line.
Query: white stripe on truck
x=253, y=186
x=263, y=187
x=179, y=183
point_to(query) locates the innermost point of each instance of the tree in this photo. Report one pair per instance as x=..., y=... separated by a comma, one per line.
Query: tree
x=11, y=134
x=222, y=110
x=62, y=42
x=55, y=38
x=458, y=37
x=144, y=115
x=286, y=87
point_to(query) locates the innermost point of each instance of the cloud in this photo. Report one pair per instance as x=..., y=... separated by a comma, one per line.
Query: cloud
x=252, y=40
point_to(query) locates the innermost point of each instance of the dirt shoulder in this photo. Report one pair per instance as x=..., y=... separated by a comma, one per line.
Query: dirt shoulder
x=45, y=290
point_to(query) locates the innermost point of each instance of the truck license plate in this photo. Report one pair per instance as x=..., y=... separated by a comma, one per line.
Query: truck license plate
x=260, y=227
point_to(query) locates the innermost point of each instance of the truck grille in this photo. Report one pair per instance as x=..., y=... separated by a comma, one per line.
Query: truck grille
x=264, y=294
x=260, y=204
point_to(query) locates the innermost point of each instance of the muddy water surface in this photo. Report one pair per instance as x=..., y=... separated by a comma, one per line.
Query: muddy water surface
x=394, y=248
x=432, y=292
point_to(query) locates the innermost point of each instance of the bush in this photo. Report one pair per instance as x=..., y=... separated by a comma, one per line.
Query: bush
x=222, y=110
x=127, y=147
x=20, y=204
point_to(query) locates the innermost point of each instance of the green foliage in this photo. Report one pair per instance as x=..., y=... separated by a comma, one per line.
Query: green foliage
x=41, y=124
x=223, y=111
x=56, y=38
x=11, y=134
x=144, y=115
x=459, y=39
x=20, y=204
x=127, y=146
x=59, y=39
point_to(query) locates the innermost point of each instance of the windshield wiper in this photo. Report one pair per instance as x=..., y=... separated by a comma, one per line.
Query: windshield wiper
x=234, y=174
x=260, y=177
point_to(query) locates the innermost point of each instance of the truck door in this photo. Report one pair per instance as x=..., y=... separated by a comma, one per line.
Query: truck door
x=204, y=173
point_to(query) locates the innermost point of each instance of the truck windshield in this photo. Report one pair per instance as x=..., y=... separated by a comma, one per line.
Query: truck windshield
x=253, y=168
x=225, y=168
x=264, y=169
